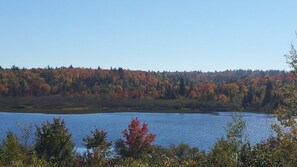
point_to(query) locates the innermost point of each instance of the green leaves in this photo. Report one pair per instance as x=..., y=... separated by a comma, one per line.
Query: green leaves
x=54, y=143
x=98, y=140
x=11, y=150
x=231, y=151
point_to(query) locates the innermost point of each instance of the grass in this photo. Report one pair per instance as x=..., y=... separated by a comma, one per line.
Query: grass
x=91, y=104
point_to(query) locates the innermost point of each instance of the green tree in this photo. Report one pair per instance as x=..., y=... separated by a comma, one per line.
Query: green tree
x=248, y=98
x=287, y=108
x=285, y=142
x=228, y=152
x=182, y=89
x=54, y=143
x=121, y=73
x=11, y=151
x=268, y=93
x=169, y=92
x=97, y=146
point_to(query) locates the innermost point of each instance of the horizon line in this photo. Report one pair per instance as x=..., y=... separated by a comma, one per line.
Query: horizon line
x=116, y=68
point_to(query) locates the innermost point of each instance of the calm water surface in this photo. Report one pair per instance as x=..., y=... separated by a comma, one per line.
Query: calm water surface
x=199, y=130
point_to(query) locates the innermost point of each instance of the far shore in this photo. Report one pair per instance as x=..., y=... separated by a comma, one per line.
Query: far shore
x=89, y=104
x=86, y=110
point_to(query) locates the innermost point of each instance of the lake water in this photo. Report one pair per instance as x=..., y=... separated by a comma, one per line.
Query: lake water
x=199, y=130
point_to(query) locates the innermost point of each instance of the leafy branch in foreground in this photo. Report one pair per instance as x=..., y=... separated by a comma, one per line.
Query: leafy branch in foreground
x=287, y=109
x=283, y=147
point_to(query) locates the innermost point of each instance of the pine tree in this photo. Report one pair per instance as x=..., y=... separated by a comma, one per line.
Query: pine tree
x=268, y=93
x=54, y=143
x=11, y=150
x=182, y=89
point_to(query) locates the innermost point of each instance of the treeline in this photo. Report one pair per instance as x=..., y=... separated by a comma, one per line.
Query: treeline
x=245, y=89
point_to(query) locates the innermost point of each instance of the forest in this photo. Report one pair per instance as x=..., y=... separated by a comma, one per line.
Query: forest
x=70, y=89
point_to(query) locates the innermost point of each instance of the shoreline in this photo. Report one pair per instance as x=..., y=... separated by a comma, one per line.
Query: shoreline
x=90, y=105
x=85, y=110
x=101, y=110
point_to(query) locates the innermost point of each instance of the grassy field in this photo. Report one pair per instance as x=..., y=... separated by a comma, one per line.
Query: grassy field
x=89, y=104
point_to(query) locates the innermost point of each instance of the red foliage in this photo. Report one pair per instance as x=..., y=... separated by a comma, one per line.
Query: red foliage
x=138, y=138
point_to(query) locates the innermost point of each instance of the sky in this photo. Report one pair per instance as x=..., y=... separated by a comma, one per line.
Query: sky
x=158, y=35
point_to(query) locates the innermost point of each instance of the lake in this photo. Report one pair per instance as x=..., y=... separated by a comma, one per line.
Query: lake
x=199, y=130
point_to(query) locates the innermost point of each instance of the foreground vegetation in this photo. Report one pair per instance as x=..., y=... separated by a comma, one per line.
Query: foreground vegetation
x=53, y=146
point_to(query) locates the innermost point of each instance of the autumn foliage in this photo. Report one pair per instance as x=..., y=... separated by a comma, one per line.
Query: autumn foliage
x=137, y=135
x=138, y=140
x=245, y=89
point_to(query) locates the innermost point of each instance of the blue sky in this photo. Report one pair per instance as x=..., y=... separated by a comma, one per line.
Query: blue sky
x=148, y=34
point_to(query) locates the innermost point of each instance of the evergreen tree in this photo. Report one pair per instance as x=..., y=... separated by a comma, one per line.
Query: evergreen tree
x=11, y=150
x=97, y=146
x=121, y=73
x=182, y=89
x=268, y=93
x=54, y=143
x=248, y=98
x=169, y=93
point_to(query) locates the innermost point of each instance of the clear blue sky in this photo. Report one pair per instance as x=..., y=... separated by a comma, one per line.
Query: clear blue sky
x=170, y=35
